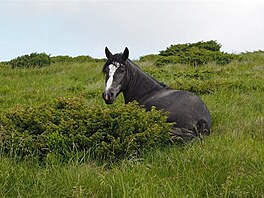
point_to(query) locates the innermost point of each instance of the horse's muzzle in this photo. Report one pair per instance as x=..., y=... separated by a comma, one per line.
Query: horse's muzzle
x=108, y=97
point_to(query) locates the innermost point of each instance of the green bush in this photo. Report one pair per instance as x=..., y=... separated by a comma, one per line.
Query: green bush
x=208, y=45
x=61, y=59
x=82, y=58
x=68, y=59
x=179, y=48
x=69, y=125
x=195, y=54
x=32, y=60
x=42, y=59
x=166, y=60
x=196, y=57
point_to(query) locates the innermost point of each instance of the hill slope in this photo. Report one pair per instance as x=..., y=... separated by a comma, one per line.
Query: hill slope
x=229, y=163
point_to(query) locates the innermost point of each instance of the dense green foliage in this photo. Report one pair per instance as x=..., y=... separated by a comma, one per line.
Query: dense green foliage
x=194, y=54
x=177, y=49
x=69, y=125
x=32, y=60
x=42, y=59
x=228, y=163
x=68, y=59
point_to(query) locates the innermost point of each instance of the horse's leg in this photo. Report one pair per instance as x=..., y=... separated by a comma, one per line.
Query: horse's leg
x=202, y=128
x=184, y=135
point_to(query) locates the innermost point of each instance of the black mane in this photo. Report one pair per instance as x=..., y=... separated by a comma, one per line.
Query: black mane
x=158, y=82
x=117, y=58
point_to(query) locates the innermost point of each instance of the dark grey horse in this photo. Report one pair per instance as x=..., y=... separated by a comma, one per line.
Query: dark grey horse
x=186, y=109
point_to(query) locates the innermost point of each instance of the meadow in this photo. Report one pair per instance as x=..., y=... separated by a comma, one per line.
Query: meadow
x=228, y=163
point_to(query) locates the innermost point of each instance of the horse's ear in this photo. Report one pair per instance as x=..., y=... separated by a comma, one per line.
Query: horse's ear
x=125, y=54
x=108, y=53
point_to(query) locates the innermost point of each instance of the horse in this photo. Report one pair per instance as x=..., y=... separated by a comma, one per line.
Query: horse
x=189, y=113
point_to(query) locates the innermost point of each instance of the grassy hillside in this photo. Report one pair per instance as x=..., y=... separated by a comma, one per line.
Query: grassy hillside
x=229, y=163
x=33, y=86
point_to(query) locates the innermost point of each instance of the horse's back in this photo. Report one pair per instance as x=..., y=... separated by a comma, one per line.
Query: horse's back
x=185, y=108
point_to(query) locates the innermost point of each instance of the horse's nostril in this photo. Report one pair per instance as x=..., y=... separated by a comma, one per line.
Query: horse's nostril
x=111, y=94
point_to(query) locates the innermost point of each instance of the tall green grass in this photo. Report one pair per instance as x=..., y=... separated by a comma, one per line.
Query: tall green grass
x=216, y=167
x=36, y=85
x=228, y=163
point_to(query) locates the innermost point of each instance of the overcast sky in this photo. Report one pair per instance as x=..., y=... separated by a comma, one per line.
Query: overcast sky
x=70, y=27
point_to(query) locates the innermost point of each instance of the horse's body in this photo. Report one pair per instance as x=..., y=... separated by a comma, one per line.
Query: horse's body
x=187, y=110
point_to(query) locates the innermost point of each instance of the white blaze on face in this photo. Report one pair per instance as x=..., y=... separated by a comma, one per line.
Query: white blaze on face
x=112, y=70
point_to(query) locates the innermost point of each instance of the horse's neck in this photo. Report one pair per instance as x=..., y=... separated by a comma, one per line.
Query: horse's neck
x=140, y=86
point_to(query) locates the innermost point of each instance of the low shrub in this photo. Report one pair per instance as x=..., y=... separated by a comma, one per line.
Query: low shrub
x=82, y=59
x=69, y=125
x=196, y=57
x=179, y=48
x=166, y=60
x=195, y=54
x=42, y=59
x=32, y=60
x=61, y=59
x=69, y=59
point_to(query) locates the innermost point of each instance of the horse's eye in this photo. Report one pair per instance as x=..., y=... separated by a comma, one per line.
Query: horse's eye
x=122, y=70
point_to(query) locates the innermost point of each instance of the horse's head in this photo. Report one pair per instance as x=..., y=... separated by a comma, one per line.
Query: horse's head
x=115, y=72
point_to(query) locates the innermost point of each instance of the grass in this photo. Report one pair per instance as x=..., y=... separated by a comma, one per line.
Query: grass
x=228, y=163
x=204, y=169
x=36, y=85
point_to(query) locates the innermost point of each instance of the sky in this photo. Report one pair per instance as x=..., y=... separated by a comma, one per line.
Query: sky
x=82, y=27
